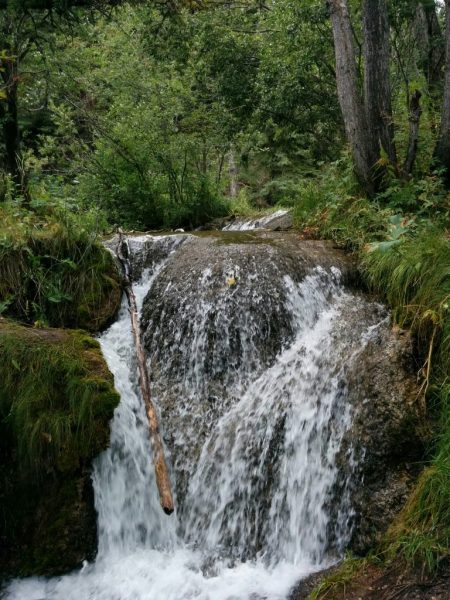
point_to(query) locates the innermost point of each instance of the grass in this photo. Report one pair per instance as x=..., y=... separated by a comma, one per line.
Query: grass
x=334, y=585
x=54, y=271
x=414, y=277
x=56, y=398
x=420, y=535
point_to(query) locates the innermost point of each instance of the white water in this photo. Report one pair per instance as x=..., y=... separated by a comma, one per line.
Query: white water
x=256, y=517
x=255, y=223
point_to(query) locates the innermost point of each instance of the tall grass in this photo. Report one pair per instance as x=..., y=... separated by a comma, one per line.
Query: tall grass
x=414, y=277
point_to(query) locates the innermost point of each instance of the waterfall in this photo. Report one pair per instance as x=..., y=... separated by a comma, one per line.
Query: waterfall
x=262, y=503
x=245, y=224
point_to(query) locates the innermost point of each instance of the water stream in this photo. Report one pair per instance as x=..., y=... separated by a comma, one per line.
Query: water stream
x=262, y=503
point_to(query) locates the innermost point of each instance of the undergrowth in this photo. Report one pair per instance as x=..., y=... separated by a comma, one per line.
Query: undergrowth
x=53, y=270
x=56, y=398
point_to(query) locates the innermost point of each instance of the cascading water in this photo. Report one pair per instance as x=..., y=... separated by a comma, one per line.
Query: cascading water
x=261, y=502
x=244, y=224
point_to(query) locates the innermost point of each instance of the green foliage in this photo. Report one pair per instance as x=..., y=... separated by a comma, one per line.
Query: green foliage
x=241, y=206
x=136, y=112
x=414, y=276
x=398, y=228
x=54, y=271
x=328, y=206
x=56, y=397
x=426, y=197
x=421, y=533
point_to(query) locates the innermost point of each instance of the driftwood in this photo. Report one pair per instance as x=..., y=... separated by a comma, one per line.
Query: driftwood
x=162, y=476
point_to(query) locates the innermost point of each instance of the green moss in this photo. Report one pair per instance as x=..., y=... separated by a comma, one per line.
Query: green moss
x=54, y=386
x=57, y=398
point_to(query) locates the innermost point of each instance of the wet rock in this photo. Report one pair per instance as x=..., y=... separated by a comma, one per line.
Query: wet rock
x=281, y=220
x=206, y=338
x=229, y=287
x=385, y=433
x=147, y=250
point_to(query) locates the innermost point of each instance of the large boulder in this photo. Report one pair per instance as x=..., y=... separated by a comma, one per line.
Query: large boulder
x=57, y=397
x=385, y=433
x=207, y=339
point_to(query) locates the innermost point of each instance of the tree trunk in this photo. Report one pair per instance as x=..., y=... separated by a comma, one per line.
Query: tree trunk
x=377, y=86
x=436, y=47
x=162, y=476
x=429, y=42
x=442, y=151
x=232, y=171
x=349, y=94
x=11, y=134
x=11, y=130
x=414, y=118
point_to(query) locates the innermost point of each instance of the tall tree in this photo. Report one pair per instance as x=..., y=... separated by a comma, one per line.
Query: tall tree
x=350, y=100
x=427, y=19
x=377, y=86
x=15, y=48
x=24, y=25
x=442, y=152
x=368, y=119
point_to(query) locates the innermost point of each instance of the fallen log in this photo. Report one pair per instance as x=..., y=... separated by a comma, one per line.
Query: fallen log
x=162, y=476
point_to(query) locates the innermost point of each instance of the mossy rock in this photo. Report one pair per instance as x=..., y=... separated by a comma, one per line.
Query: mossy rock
x=55, y=276
x=57, y=398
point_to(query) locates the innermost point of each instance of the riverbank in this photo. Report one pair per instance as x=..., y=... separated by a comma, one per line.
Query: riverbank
x=404, y=257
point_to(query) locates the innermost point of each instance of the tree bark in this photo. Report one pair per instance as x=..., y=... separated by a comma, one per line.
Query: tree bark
x=377, y=86
x=430, y=42
x=350, y=100
x=162, y=476
x=442, y=151
x=414, y=118
x=436, y=48
x=232, y=170
x=11, y=130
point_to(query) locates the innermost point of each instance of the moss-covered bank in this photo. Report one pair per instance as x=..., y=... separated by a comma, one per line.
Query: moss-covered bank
x=55, y=272
x=56, y=400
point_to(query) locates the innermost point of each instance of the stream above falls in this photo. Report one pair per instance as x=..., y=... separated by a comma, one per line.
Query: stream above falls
x=265, y=364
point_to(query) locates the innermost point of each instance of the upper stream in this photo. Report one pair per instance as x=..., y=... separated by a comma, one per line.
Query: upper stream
x=248, y=351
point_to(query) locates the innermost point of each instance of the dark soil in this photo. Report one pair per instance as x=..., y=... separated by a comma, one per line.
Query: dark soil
x=377, y=583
